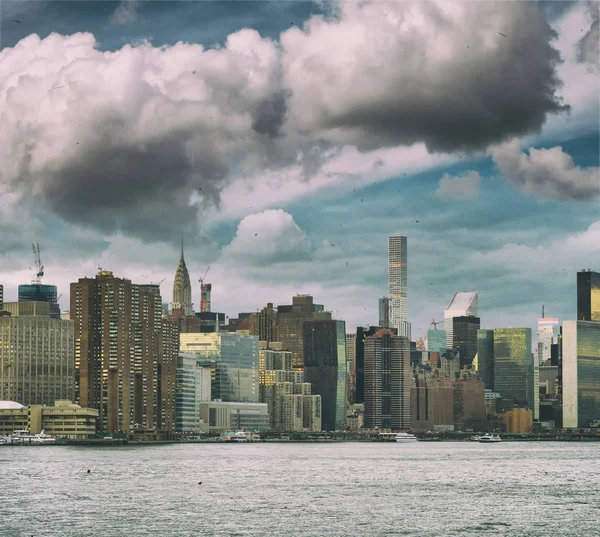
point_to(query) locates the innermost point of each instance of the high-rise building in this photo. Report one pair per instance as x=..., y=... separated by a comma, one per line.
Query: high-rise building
x=1, y=296
x=398, y=284
x=325, y=368
x=205, y=297
x=167, y=368
x=485, y=357
x=290, y=320
x=431, y=402
x=463, y=304
x=118, y=351
x=192, y=388
x=547, y=335
x=182, y=288
x=387, y=381
x=469, y=403
x=588, y=296
x=464, y=338
x=516, y=373
x=36, y=356
x=233, y=359
x=350, y=367
x=384, y=312
x=39, y=292
x=436, y=340
x=264, y=323
x=580, y=373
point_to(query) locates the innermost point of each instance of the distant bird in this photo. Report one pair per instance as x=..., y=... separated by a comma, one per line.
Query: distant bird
x=502, y=35
x=89, y=471
x=15, y=20
x=200, y=483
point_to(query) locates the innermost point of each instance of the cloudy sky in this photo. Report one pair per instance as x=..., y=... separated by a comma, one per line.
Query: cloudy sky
x=287, y=140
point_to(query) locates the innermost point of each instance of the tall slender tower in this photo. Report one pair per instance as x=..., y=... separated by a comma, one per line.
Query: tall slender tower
x=182, y=287
x=398, y=284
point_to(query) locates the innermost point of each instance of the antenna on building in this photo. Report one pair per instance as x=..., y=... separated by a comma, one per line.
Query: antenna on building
x=38, y=263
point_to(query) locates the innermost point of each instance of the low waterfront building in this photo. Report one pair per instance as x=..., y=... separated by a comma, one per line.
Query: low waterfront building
x=234, y=416
x=64, y=419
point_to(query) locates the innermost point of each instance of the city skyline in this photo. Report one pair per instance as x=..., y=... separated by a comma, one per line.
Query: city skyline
x=512, y=214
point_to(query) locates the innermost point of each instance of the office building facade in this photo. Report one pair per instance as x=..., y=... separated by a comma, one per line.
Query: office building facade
x=233, y=360
x=588, y=296
x=436, y=340
x=463, y=304
x=36, y=356
x=387, y=381
x=325, y=368
x=547, y=335
x=464, y=338
x=516, y=373
x=580, y=373
x=485, y=357
x=290, y=320
x=39, y=292
x=193, y=383
x=385, y=312
x=264, y=323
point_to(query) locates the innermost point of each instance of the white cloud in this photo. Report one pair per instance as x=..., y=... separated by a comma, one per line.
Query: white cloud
x=461, y=187
x=548, y=173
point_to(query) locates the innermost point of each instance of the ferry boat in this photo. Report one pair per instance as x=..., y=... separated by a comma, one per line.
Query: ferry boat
x=489, y=439
x=240, y=436
x=24, y=437
x=405, y=437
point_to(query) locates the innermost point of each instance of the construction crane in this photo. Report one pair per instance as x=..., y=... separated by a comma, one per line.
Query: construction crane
x=201, y=279
x=38, y=263
x=152, y=283
x=434, y=323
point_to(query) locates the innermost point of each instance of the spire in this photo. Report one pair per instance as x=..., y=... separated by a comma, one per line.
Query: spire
x=182, y=245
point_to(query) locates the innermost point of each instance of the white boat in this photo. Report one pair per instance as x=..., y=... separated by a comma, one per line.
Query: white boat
x=405, y=437
x=489, y=439
x=475, y=438
x=24, y=437
x=240, y=436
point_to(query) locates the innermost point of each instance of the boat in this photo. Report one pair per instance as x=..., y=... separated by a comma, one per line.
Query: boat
x=405, y=437
x=489, y=439
x=238, y=437
x=475, y=438
x=24, y=437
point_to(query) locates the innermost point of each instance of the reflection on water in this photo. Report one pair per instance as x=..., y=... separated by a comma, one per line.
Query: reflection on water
x=351, y=489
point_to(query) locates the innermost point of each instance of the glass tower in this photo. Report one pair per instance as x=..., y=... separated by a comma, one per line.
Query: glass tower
x=588, y=296
x=515, y=367
x=485, y=357
x=580, y=373
x=325, y=368
x=398, y=284
x=39, y=292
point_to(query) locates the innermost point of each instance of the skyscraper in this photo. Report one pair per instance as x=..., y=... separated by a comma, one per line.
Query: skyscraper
x=580, y=373
x=264, y=323
x=588, y=296
x=289, y=325
x=547, y=335
x=1, y=296
x=40, y=292
x=205, y=293
x=182, y=288
x=515, y=371
x=436, y=340
x=485, y=357
x=398, y=284
x=36, y=355
x=387, y=381
x=384, y=312
x=350, y=367
x=325, y=368
x=463, y=304
x=464, y=338
x=118, y=350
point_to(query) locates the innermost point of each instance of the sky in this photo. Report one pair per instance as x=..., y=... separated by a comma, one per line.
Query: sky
x=288, y=140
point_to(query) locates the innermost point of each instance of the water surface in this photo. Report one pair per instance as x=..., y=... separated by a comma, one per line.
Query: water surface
x=347, y=489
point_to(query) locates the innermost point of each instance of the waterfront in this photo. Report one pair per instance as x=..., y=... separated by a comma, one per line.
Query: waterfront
x=363, y=489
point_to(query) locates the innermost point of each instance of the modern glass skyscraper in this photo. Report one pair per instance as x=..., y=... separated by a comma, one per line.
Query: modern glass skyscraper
x=485, y=357
x=588, y=296
x=465, y=338
x=233, y=359
x=325, y=368
x=398, y=284
x=463, y=304
x=39, y=292
x=516, y=374
x=436, y=340
x=547, y=335
x=580, y=373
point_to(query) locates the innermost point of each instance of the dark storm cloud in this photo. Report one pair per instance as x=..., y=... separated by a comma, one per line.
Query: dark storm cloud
x=473, y=74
